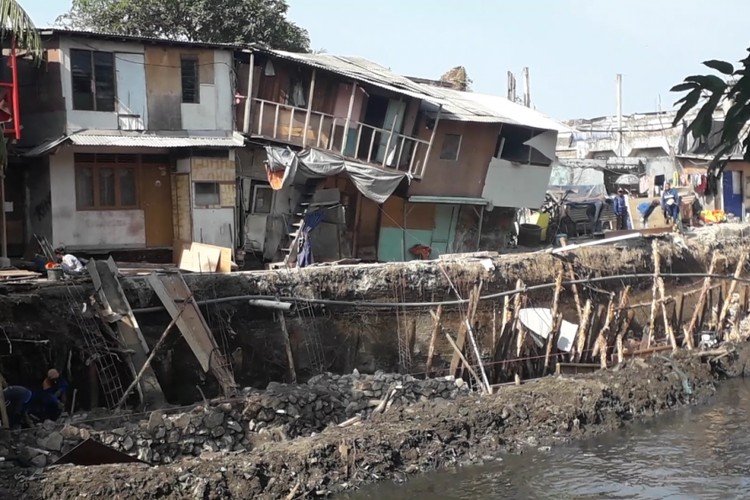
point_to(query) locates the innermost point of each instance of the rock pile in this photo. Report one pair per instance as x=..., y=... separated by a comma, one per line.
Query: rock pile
x=281, y=412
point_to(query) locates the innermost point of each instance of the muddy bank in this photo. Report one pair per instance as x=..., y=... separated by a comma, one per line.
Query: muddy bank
x=408, y=439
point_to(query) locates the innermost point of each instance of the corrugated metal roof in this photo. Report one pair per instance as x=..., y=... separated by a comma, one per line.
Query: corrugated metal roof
x=136, y=38
x=137, y=140
x=457, y=105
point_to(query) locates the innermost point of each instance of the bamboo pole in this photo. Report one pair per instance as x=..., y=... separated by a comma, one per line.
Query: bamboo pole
x=690, y=331
x=600, y=347
x=573, y=287
x=478, y=355
x=730, y=292
x=433, y=339
x=556, y=319
x=654, y=290
x=462, y=331
x=582, y=330
x=517, y=325
x=463, y=359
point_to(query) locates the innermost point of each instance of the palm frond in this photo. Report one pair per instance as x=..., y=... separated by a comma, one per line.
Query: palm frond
x=16, y=23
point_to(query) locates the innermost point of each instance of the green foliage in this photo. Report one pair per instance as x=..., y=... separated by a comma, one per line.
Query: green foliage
x=710, y=91
x=17, y=24
x=223, y=21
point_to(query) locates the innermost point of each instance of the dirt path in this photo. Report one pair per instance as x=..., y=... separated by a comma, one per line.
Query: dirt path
x=410, y=439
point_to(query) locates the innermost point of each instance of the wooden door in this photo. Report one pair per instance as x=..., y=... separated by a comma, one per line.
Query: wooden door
x=156, y=202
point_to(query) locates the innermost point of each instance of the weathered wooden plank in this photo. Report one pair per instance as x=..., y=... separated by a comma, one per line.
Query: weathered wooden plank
x=172, y=291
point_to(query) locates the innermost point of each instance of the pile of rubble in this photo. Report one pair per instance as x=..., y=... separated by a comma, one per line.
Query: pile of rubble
x=282, y=411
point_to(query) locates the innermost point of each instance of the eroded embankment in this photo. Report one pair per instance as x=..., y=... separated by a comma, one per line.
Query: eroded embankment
x=408, y=439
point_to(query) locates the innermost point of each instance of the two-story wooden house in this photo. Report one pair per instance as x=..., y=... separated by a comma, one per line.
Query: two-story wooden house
x=419, y=170
x=128, y=142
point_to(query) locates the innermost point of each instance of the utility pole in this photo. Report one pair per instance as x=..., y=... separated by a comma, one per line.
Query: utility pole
x=526, y=88
x=619, y=114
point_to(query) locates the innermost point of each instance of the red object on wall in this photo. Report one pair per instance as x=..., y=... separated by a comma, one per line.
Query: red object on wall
x=10, y=112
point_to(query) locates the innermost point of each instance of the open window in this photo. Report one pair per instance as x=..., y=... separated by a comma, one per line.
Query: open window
x=511, y=146
x=190, y=83
x=93, y=80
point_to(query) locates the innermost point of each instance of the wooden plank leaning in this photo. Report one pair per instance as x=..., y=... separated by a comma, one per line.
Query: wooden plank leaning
x=697, y=312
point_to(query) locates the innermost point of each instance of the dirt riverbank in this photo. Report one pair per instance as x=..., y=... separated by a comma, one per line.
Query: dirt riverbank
x=409, y=439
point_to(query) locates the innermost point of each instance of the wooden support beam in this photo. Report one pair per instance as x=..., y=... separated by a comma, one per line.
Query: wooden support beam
x=572, y=277
x=249, y=98
x=601, y=346
x=517, y=325
x=667, y=325
x=730, y=291
x=462, y=330
x=478, y=356
x=433, y=339
x=287, y=347
x=345, y=138
x=556, y=318
x=309, y=109
x=654, y=290
x=693, y=325
x=583, y=328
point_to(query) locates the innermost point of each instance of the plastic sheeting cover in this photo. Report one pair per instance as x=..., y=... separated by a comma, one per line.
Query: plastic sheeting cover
x=539, y=321
x=375, y=183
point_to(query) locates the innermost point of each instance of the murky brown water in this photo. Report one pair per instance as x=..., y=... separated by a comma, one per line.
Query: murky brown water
x=699, y=452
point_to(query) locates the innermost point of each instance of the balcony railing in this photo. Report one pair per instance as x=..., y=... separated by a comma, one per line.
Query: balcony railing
x=366, y=143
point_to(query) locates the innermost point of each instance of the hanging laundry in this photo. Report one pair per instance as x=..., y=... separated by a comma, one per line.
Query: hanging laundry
x=643, y=184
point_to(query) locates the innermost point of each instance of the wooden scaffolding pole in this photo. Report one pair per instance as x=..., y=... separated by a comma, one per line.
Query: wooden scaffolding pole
x=654, y=290
x=730, y=292
x=697, y=312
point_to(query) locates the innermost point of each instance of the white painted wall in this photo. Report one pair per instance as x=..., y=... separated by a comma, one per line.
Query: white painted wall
x=77, y=119
x=89, y=229
x=214, y=111
x=515, y=185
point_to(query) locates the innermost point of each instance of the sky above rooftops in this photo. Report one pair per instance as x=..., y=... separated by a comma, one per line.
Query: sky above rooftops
x=574, y=48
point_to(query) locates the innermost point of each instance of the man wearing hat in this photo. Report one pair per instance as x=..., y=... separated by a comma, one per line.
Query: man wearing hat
x=620, y=207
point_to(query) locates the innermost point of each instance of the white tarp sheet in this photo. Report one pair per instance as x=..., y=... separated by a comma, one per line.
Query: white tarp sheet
x=539, y=321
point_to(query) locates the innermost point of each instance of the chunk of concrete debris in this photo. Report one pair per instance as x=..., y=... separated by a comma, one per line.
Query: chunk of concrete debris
x=213, y=419
x=53, y=442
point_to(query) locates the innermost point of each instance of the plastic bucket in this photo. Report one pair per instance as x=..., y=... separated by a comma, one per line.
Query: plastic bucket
x=529, y=235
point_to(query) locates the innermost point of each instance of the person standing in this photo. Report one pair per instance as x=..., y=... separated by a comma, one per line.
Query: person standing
x=620, y=207
x=670, y=204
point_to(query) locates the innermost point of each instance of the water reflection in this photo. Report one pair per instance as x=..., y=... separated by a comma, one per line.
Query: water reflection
x=699, y=452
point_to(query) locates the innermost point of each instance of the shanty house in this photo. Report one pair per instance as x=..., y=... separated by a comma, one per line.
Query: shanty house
x=128, y=142
x=401, y=169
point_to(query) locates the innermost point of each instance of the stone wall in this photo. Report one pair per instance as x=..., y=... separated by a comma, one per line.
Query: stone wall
x=281, y=412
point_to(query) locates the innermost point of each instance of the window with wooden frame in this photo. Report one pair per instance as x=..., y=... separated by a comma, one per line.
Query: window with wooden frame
x=93, y=80
x=106, y=182
x=190, y=81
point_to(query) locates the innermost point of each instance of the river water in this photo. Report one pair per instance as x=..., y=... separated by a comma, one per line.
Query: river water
x=696, y=452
